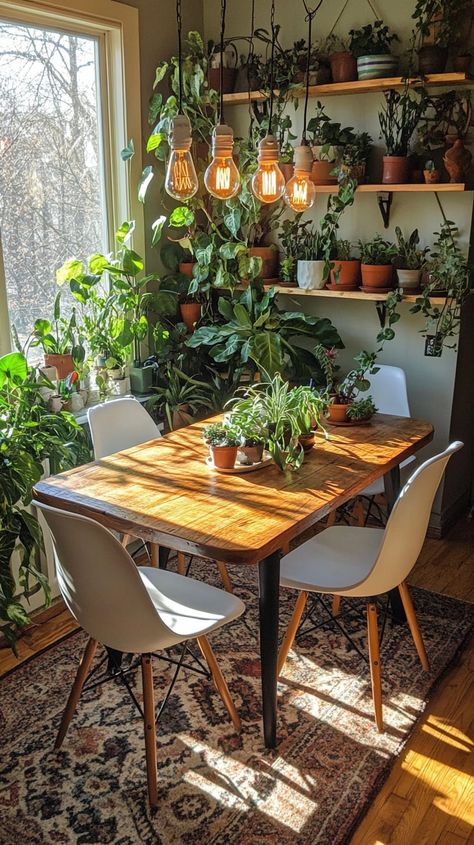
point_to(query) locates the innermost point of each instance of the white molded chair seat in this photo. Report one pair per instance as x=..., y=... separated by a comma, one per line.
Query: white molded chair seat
x=366, y=562
x=132, y=609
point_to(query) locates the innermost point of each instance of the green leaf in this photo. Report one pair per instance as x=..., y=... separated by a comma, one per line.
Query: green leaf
x=242, y=316
x=128, y=152
x=265, y=351
x=124, y=232
x=98, y=263
x=181, y=216
x=132, y=262
x=70, y=270
x=144, y=181
x=160, y=73
x=154, y=141
x=157, y=228
x=13, y=367
x=42, y=327
x=225, y=308
x=154, y=107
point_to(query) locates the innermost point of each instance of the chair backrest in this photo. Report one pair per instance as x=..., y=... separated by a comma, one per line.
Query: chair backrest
x=388, y=388
x=406, y=528
x=101, y=584
x=119, y=425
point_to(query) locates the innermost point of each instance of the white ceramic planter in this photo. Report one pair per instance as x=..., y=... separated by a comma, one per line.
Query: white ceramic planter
x=311, y=275
x=408, y=279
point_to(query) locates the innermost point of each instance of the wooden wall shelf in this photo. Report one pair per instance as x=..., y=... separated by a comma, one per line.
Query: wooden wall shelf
x=363, y=86
x=350, y=294
x=409, y=188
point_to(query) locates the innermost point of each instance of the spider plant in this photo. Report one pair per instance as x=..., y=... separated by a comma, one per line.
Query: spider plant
x=180, y=393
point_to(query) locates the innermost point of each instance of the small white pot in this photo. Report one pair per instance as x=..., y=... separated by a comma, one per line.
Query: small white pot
x=120, y=387
x=55, y=404
x=408, y=279
x=116, y=374
x=49, y=372
x=46, y=393
x=311, y=275
x=76, y=402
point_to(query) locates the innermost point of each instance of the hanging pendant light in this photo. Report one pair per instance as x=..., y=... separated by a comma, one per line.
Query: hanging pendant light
x=300, y=192
x=222, y=178
x=181, y=180
x=268, y=182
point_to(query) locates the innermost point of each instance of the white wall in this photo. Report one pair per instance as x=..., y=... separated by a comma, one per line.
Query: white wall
x=430, y=380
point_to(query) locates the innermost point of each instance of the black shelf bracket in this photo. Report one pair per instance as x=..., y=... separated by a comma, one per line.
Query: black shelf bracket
x=381, y=308
x=384, y=200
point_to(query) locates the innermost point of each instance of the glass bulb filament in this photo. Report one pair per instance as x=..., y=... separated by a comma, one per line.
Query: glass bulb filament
x=181, y=180
x=300, y=192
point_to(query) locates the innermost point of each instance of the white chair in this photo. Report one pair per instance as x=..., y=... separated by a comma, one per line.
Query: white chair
x=132, y=609
x=366, y=562
x=119, y=425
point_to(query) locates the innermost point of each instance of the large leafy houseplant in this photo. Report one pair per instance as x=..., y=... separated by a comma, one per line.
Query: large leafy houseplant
x=258, y=335
x=29, y=434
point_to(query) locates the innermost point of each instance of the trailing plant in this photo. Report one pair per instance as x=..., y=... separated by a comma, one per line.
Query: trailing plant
x=377, y=251
x=356, y=381
x=399, y=118
x=257, y=335
x=29, y=434
x=327, y=134
x=440, y=19
x=372, y=39
x=391, y=317
x=444, y=115
x=362, y=409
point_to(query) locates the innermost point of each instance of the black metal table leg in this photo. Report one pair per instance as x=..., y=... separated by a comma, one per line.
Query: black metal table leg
x=163, y=555
x=392, y=489
x=269, y=600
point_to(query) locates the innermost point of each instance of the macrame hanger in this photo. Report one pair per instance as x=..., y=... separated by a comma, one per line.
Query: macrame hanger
x=344, y=7
x=310, y=15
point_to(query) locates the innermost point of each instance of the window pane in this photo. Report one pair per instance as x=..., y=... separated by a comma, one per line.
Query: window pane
x=51, y=168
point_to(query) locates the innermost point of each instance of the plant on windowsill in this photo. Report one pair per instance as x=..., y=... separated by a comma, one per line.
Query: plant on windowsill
x=59, y=340
x=371, y=45
x=30, y=436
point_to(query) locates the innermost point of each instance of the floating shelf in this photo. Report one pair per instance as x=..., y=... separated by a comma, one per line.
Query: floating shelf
x=363, y=86
x=350, y=294
x=389, y=189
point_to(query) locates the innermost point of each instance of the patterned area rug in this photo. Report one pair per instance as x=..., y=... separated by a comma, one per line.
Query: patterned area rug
x=217, y=787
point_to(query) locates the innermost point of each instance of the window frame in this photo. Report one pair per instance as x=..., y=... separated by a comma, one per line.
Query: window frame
x=115, y=25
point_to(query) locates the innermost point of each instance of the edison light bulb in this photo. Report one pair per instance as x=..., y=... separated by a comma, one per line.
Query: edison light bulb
x=222, y=178
x=181, y=181
x=268, y=182
x=300, y=192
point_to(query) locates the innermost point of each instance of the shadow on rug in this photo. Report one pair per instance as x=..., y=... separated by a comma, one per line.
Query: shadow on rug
x=217, y=787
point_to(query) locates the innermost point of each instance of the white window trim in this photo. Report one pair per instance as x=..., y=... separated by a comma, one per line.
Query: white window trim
x=116, y=27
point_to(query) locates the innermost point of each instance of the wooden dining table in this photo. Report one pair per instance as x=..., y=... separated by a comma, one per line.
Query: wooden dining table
x=164, y=492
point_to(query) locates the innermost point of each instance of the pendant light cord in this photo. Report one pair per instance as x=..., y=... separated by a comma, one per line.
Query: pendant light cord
x=250, y=63
x=272, y=28
x=180, y=56
x=221, y=69
x=310, y=15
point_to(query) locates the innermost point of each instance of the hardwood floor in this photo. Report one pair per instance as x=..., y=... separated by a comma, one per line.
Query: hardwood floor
x=428, y=798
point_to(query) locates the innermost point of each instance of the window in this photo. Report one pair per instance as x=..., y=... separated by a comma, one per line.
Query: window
x=63, y=187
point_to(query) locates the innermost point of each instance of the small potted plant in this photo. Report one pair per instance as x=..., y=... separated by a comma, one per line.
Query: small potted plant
x=189, y=306
x=376, y=264
x=430, y=173
x=437, y=27
x=361, y=410
x=311, y=408
x=328, y=140
x=311, y=265
x=223, y=442
x=345, y=393
x=398, y=121
x=409, y=260
x=371, y=45
x=59, y=341
x=345, y=269
x=355, y=156
x=343, y=62
x=179, y=397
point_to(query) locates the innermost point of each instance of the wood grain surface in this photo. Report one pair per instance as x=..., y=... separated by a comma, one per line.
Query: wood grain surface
x=162, y=491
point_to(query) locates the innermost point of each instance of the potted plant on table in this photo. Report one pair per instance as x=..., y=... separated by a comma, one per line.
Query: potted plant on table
x=371, y=45
x=398, y=121
x=311, y=407
x=409, y=260
x=345, y=269
x=376, y=264
x=345, y=392
x=342, y=60
x=223, y=442
x=179, y=397
x=328, y=140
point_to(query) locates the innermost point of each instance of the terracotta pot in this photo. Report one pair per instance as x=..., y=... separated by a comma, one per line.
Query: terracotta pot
x=321, y=173
x=190, y=314
x=354, y=171
x=307, y=441
x=457, y=161
x=431, y=177
x=287, y=168
x=224, y=457
x=432, y=59
x=186, y=268
x=229, y=77
x=246, y=79
x=269, y=256
x=349, y=273
x=343, y=66
x=63, y=363
x=395, y=170
x=181, y=417
x=462, y=64
x=376, y=275
x=337, y=413
x=253, y=454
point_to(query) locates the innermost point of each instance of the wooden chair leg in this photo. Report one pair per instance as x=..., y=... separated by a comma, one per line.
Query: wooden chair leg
x=219, y=680
x=181, y=563
x=125, y=540
x=374, y=658
x=285, y=549
x=154, y=554
x=225, y=576
x=292, y=629
x=358, y=513
x=413, y=624
x=150, y=728
x=336, y=605
x=331, y=520
x=76, y=690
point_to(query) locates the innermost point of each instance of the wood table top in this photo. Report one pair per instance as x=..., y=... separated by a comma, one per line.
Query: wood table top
x=163, y=491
